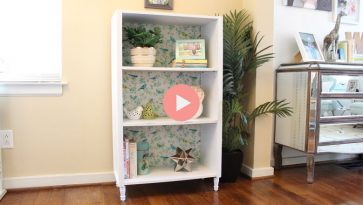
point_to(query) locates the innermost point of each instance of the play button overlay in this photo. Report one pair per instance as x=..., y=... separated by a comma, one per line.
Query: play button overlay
x=181, y=102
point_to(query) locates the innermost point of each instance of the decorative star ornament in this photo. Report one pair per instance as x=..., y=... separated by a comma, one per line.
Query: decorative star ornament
x=183, y=160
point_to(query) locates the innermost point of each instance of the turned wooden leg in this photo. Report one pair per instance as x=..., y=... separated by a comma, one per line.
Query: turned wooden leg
x=216, y=183
x=123, y=193
x=278, y=156
x=310, y=166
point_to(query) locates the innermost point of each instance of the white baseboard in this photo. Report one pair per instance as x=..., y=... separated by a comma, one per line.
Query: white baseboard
x=58, y=180
x=2, y=193
x=257, y=172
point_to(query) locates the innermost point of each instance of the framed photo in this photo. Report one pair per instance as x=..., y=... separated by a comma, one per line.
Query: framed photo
x=159, y=4
x=323, y=5
x=190, y=49
x=353, y=86
x=350, y=7
x=308, y=47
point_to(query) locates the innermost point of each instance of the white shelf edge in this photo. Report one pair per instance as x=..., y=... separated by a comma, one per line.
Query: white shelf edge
x=167, y=174
x=34, y=83
x=169, y=69
x=148, y=13
x=167, y=121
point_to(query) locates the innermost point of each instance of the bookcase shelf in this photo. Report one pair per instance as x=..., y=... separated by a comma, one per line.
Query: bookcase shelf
x=168, y=69
x=167, y=174
x=167, y=121
x=133, y=86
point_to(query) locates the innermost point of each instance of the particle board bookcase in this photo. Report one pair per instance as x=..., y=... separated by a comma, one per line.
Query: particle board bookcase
x=208, y=126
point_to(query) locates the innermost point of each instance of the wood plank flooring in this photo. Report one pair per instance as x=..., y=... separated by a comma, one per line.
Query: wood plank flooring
x=333, y=185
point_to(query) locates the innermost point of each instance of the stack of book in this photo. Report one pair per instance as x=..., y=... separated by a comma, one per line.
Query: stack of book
x=130, y=158
x=358, y=58
x=191, y=63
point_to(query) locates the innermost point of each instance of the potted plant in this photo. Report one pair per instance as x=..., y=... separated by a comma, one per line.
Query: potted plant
x=241, y=55
x=143, y=42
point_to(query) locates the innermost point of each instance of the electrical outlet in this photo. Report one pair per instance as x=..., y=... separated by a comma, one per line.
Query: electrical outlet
x=6, y=139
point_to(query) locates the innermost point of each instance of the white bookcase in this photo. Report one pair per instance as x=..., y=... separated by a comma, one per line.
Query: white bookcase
x=209, y=124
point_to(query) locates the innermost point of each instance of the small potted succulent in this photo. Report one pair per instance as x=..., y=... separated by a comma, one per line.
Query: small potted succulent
x=143, y=41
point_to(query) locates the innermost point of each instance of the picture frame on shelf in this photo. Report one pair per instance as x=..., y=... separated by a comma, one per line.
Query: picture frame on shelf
x=353, y=85
x=159, y=4
x=309, y=48
x=190, y=49
x=350, y=7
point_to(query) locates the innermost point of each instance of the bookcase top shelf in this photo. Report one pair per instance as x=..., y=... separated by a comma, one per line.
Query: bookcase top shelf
x=167, y=121
x=166, y=18
x=168, y=69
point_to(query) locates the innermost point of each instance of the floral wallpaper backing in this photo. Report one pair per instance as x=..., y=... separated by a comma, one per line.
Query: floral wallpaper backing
x=164, y=140
x=140, y=87
x=165, y=51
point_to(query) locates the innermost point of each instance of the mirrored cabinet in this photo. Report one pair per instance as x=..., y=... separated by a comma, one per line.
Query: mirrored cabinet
x=327, y=101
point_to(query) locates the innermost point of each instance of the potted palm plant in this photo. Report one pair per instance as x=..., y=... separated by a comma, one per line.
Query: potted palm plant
x=242, y=54
x=143, y=41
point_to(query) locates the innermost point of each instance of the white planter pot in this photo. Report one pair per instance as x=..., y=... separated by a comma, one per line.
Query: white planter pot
x=143, y=57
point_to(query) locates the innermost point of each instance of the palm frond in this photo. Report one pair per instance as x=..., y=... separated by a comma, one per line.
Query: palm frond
x=257, y=56
x=280, y=108
x=237, y=26
x=241, y=54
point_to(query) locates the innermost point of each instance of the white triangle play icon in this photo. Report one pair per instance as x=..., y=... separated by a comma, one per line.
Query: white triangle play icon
x=181, y=103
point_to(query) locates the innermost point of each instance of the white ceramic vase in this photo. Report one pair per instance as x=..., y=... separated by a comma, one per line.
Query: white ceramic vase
x=143, y=57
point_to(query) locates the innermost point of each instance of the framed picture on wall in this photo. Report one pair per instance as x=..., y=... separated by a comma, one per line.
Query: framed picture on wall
x=308, y=47
x=350, y=7
x=323, y=5
x=159, y=4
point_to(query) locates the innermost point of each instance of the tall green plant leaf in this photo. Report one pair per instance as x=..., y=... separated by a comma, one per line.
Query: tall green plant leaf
x=242, y=53
x=280, y=108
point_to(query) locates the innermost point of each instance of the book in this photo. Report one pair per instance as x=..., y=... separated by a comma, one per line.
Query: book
x=343, y=50
x=358, y=58
x=133, y=158
x=126, y=159
x=191, y=66
x=195, y=61
x=351, y=50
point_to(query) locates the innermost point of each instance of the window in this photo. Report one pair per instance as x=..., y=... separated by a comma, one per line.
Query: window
x=30, y=47
x=30, y=40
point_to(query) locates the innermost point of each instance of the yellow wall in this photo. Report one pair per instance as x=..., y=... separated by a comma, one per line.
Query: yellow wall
x=72, y=133
x=258, y=153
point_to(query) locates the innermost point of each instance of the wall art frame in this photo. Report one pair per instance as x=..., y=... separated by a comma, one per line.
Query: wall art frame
x=351, y=7
x=322, y=5
x=159, y=4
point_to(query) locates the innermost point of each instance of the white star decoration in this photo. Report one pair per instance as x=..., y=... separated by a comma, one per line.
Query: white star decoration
x=183, y=160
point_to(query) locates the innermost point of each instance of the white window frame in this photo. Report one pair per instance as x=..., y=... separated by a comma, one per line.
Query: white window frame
x=34, y=84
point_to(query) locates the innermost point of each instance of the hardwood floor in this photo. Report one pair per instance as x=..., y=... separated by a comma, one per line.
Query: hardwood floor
x=333, y=185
